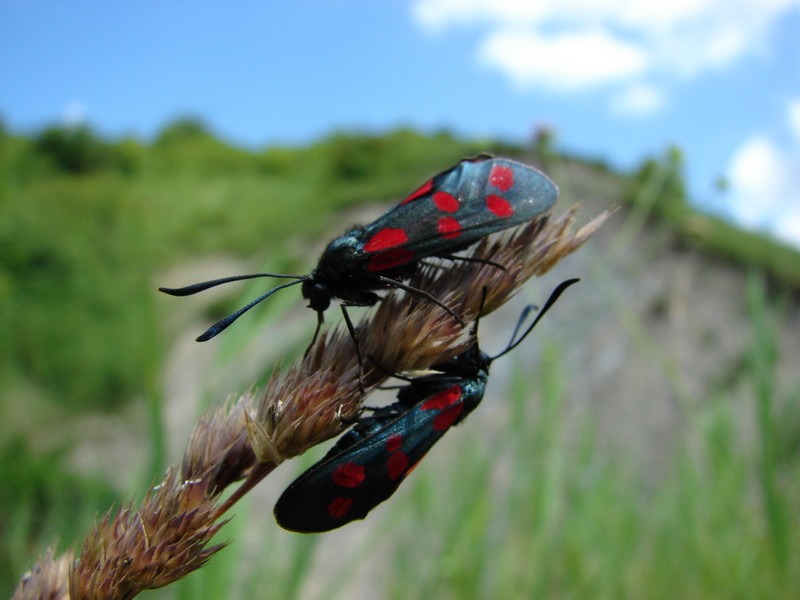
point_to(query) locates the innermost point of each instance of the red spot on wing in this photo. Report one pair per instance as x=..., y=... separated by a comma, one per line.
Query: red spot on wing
x=449, y=227
x=423, y=189
x=394, y=443
x=501, y=177
x=396, y=464
x=339, y=507
x=499, y=206
x=442, y=399
x=349, y=475
x=447, y=417
x=389, y=259
x=386, y=238
x=445, y=202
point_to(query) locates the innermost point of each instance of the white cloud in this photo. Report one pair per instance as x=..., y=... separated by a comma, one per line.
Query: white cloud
x=764, y=177
x=568, y=61
x=757, y=175
x=638, y=100
x=788, y=228
x=641, y=40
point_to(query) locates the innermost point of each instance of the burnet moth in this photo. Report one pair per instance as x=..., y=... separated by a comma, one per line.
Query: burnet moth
x=479, y=196
x=368, y=463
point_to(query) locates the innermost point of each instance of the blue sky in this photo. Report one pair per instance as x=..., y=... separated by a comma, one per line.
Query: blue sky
x=616, y=79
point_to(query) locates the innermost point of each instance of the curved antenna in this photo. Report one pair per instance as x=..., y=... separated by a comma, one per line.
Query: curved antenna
x=474, y=332
x=204, y=285
x=222, y=324
x=547, y=305
x=522, y=318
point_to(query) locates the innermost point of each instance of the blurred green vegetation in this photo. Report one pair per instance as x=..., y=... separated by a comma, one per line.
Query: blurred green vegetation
x=87, y=223
x=42, y=503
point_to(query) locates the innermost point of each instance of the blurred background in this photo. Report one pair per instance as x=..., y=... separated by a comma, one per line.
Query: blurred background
x=643, y=444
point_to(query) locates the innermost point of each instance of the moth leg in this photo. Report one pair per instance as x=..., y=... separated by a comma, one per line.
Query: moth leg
x=472, y=259
x=354, y=336
x=422, y=294
x=320, y=320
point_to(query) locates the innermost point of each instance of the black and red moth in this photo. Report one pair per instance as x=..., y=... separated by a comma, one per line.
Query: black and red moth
x=448, y=213
x=369, y=462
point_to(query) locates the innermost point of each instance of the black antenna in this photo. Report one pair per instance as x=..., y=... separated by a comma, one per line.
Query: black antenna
x=201, y=287
x=547, y=305
x=521, y=320
x=474, y=332
x=222, y=324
